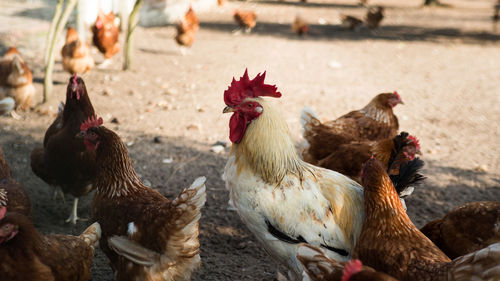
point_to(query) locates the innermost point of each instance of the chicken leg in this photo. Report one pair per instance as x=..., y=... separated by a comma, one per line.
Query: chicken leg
x=73, y=217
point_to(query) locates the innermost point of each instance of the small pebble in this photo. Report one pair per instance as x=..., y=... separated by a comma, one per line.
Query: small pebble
x=157, y=139
x=115, y=120
x=168, y=160
x=222, y=143
x=217, y=149
x=146, y=183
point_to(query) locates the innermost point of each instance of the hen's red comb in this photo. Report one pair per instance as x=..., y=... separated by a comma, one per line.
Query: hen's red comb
x=3, y=210
x=351, y=268
x=415, y=141
x=93, y=121
x=397, y=95
x=246, y=88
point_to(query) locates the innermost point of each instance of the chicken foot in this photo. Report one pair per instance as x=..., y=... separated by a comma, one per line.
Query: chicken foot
x=73, y=217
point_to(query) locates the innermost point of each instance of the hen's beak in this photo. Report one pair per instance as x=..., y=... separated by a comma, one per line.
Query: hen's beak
x=228, y=109
x=401, y=101
x=418, y=152
x=80, y=135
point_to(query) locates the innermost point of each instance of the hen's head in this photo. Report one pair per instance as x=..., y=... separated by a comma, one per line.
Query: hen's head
x=240, y=99
x=352, y=267
x=76, y=88
x=90, y=132
x=412, y=148
x=387, y=100
x=71, y=35
x=8, y=229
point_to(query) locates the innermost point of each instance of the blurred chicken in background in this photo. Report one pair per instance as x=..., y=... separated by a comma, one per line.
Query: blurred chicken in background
x=76, y=54
x=16, y=81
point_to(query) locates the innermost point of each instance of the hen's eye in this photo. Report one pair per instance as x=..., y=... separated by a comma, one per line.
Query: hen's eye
x=249, y=105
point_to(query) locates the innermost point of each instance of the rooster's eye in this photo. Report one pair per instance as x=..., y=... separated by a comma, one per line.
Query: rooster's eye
x=249, y=105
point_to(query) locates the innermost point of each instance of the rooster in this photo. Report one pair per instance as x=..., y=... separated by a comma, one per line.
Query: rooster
x=245, y=19
x=300, y=26
x=391, y=243
x=144, y=235
x=374, y=16
x=105, y=35
x=62, y=161
x=16, y=80
x=28, y=255
x=76, y=54
x=283, y=200
x=375, y=121
x=12, y=194
x=466, y=229
x=319, y=267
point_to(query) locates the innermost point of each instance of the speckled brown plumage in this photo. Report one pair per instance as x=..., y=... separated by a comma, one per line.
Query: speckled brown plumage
x=375, y=121
x=391, y=243
x=165, y=233
x=348, y=159
x=466, y=229
x=31, y=256
x=12, y=194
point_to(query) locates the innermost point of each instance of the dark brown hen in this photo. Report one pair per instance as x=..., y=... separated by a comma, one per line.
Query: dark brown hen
x=467, y=228
x=63, y=161
x=145, y=236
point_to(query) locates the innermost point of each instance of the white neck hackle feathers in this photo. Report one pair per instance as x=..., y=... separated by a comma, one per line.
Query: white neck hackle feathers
x=267, y=148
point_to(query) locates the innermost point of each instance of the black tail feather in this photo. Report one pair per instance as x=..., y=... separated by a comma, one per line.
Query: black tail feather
x=408, y=175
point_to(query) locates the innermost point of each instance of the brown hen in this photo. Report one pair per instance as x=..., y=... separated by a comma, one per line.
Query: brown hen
x=105, y=35
x=466, y=229
x=391, y=243
x=145, y=236
x=62, y=161
x=245, y=19
x=375, y=121
x=16, y=80
x=28, y=255
x=76, y=54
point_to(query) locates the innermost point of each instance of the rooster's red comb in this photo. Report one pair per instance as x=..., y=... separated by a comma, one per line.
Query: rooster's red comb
x=351, y=268
x=75, y=76
x=397, y=95
x=415, y=141
x=93, y=121
x=246, y=88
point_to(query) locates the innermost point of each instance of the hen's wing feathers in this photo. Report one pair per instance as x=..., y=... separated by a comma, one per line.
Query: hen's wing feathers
x=133, y=251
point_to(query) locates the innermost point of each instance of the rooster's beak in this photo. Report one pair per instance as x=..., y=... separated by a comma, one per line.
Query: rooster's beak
x=228, y=109
x=418, y=152
x=80, y=135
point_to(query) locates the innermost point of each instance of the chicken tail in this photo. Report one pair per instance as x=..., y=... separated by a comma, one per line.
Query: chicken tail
x=189, y=204
x=308, y=119
x=408, y=177
x=92, y=234
x=480, y=265
x=316, y=265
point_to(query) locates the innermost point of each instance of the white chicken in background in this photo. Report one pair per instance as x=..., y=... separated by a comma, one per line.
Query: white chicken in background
x=283, y=200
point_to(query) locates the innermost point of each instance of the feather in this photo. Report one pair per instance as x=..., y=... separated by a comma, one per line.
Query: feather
x=133, y=251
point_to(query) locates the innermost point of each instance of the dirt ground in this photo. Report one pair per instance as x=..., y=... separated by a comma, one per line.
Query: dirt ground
x=443, y=61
